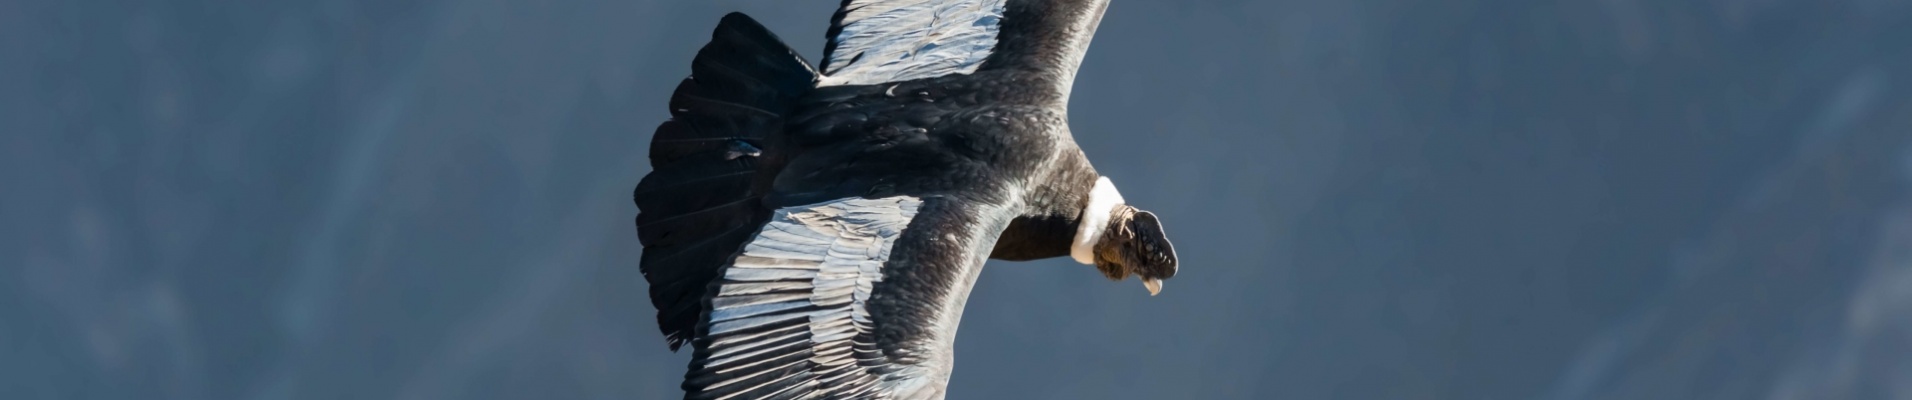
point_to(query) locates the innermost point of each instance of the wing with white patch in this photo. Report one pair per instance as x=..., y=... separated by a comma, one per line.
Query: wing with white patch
x=877, y=41
x=789, y=317
x=880, y=41
x=846, y=299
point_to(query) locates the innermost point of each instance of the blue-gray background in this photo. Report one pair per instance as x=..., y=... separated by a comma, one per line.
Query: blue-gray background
x=1374, y=199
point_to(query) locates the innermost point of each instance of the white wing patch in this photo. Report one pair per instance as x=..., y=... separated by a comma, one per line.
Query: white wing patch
x=789, y=308
x=898, y=40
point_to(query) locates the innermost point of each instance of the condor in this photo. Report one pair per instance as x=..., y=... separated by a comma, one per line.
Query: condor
x=814, y=233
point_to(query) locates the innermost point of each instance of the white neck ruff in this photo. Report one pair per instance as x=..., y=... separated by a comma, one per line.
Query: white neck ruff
x=1095, y=220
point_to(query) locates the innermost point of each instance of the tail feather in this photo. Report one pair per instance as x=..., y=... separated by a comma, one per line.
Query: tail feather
x=699, y=204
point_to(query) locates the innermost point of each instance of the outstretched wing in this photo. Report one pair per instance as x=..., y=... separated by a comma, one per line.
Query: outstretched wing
x=846, y=299
x=879, y=41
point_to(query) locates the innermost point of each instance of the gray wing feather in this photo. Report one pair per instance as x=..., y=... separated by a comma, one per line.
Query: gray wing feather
x=789, y=316
x=877, y=41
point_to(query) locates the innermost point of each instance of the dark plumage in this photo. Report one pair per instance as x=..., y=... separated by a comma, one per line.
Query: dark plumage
x=697, y=205
x=815, y=236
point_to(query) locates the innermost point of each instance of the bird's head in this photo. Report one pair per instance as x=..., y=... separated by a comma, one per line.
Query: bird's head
x=1121, y=240
x=1134, y=244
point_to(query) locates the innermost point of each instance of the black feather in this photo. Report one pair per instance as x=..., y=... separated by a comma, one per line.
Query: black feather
x=702, y=199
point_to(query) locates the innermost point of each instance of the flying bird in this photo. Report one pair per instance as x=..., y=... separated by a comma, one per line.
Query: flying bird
x=814, y=232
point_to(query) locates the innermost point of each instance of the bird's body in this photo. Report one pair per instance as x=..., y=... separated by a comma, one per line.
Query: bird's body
x=815, y=234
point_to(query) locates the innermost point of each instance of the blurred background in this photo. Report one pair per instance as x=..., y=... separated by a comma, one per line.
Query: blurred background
x=1372, y=199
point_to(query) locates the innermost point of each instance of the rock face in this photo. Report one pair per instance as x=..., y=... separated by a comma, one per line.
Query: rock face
x=1801, y=290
